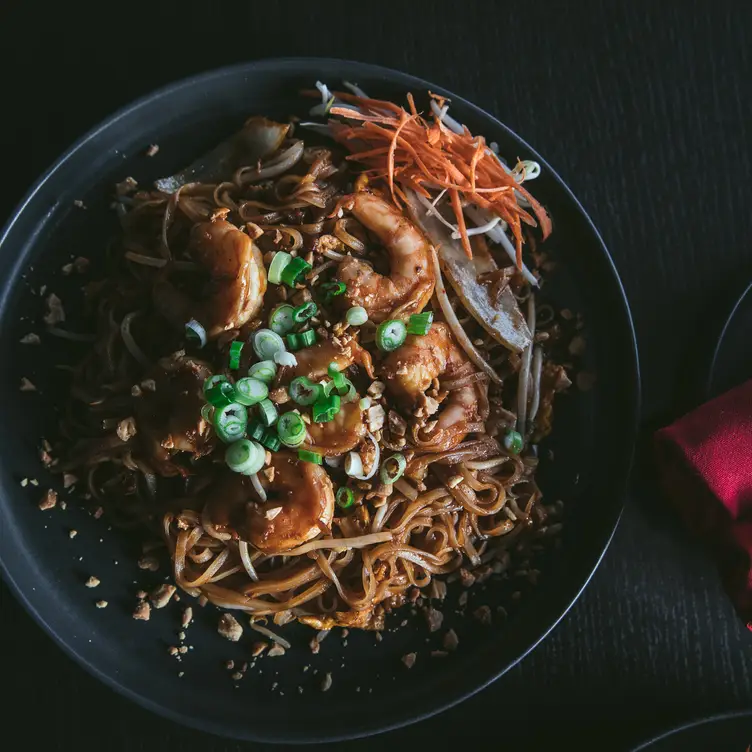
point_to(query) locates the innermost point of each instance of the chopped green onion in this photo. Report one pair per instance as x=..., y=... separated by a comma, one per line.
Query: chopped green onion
x=282, y=319
x=420, y=323
x=390, y=335
x=268, y=412
x=295, y=271
x=356, y=316
x=513, y=442
x=271, y=441
x=338, y=379
x=230, y=422
x=245, y=457
x=291, y=429
x=306, y=456
x=364, y=403
x=264, y=371
x=286, y=359
x=326, y=408
x=207, y=413
x=304, y=312
x=345, y=497
x=301, y=340
x=213, y=381
x=235, y=349
x=267, y=343
x=250, y=391
x=220, y=395
x=256, y=430
x=349, y=394
x=332, y=289
x=195, y=333
x=280, y=261
x=392, y=468
x=304, y=392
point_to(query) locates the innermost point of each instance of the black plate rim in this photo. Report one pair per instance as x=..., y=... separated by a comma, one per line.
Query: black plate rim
x=720, y=344
x=733, y=715
x=258, y=67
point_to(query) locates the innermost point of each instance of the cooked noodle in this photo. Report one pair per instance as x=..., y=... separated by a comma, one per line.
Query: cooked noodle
x=149, y=451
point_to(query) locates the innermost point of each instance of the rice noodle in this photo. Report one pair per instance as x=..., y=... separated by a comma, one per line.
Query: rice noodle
x=129, y=342
x=340, y=543
x=537, y=368
x=246, y=559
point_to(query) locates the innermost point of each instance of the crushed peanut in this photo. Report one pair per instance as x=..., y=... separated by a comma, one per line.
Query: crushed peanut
x=229, y=627
x=92, y=582
x=142, y=612
x=161, y=596
x=49, y=500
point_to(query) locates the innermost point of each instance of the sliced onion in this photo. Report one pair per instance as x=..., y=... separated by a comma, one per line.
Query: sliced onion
x=537, y=369
x=335, y=461
x=523, y=383
x=276, y=166
x=456, y=327
x=354, y=463
x=129, y=342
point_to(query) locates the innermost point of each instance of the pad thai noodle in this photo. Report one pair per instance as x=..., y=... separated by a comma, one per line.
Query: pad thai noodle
x=321, y=371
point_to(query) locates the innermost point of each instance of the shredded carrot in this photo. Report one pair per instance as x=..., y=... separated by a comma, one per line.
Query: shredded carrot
x=408, y=151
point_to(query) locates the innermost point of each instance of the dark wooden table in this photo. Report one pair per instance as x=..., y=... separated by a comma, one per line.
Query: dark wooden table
x=646, y=112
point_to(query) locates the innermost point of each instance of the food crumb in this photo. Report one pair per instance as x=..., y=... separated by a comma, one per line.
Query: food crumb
x=66, y=269
x=229, y=627
x=326, y=684
x=409, y=660
x=72, y=533
x=183, y=649
x=172, y=650
x=181, y=636
x=181, y=674
x=258, y=647
x=31, y=339
x=315, y=646
x=379, y=637
x=483, y=614
x=148, y=562
x=49, y=500
x=101, y=604
x=161, y=596
x=237, y=676
x=142, y=594
x=79, y=204
x=434, y=618
x=152, y=150
x=55, y=312
x=462, y=600
x=69, y=480
x=275, y=651
x=92, y=582
x=439, y=653
x=26, y=385
x=98, y=512
x=187, y=617
x=451, y=641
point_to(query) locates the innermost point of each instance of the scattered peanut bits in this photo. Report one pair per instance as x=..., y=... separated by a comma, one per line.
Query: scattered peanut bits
x=229, y=627
x=161, y=596
x=49, y=500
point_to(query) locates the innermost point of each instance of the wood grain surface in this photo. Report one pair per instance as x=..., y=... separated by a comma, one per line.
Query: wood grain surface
x=645, y=110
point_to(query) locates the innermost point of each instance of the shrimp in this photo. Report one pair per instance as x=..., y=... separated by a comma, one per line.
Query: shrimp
x=237, y=280
x=409, y=372
x=410, y=284
x=314, y=361
x=299, y=506
x=169, y=417
x=340, y=435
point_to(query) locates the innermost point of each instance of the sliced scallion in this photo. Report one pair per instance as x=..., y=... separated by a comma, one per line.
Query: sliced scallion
x=356, y=316
x=304, y=312
x=291, y=429
x=230, y=422
x=295, y=271
x=326, y=408
x=220, y=394
x=306, y=456
x=268, y=412
x=286, y=359
x=392, y=468
x=264, y=371
x=195, y=333
x=267, y=343
x=345, y=497
x=244, y=456
x=390, y=335
x=282, y=319
x=304, y=392
x=513, y=442
x=279, y=262
x=250, y=391
x=420, y=323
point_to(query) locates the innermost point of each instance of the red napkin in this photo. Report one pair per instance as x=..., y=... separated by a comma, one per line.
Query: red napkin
x=705, y=460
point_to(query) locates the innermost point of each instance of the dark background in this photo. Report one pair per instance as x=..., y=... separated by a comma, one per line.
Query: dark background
x=645, y=109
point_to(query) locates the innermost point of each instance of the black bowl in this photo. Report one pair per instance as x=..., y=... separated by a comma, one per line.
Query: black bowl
x=280, y=698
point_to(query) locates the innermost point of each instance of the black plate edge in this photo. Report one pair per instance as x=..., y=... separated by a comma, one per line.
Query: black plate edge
x=717, y=718
x=635, y=398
